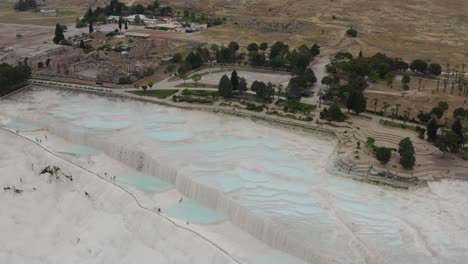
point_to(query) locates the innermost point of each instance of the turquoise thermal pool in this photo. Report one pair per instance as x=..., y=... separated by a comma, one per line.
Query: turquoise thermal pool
x=145, y=182
x=20, y=126
x=276, y=184
x=194, y=212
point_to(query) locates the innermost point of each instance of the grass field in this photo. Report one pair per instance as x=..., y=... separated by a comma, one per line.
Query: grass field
x=161, y=94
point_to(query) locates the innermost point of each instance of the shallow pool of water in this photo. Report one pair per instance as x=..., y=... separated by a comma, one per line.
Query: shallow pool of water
x=194, y=212
x=145, y=182
x=20, y=126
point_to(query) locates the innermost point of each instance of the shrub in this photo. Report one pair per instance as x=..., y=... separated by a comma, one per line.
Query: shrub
x=254, y=107
x=333, y=113
x=351, y=33
x=383, y=154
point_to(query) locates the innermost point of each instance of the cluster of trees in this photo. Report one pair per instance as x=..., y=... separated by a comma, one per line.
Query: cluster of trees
x=226, y=86
x=281, y=57
x=262, y=90
x=299, y=85
x=191, y=16
x=448, y=140
x=380, y=66
x=24, y=5
x=13, y=77
x=436, y=112
x=116, y=8
x=423, y=67
x=194, y=60
x=333, y=113
x=227, y=54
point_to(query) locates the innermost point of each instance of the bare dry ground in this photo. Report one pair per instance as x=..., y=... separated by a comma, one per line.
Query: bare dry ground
x=429, y=29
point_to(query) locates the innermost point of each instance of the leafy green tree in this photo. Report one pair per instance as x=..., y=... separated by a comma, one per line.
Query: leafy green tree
x=333, y=113
x=233, y=46
x=356, y=101
x=418, y=66
x=343, y=56
x=448, y=141
x=242, y=84
x=330, y=80
x=225, y=87
x=406, y=151
x=278, y=62
x=431, y=129
x=389, y=77
x=101, y=18
x=263, y=46
x=437, y=111
x=234, y=80
x=459, y=112
x=185, y=67
x=59, y=36
x=309, y=77
x=194, y=59
x=177, y=58
x=443, y=105
x=294, y=91
x=264, y=91
x=383, y=154
x=252, y=47
x=315, y=50
x=457, y=128
x=434, y=69
x=278, y=48
x=257, y=59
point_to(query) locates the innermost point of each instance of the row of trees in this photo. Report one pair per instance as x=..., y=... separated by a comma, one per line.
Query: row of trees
x=191, y=16
x=116, y=8
x=13, y=77
x=24, y=5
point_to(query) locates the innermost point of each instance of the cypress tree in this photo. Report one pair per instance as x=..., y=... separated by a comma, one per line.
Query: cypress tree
x=91, y=29
x=58, y=34
x=225, y=87
x=82, y=45
x=234, y=80
x=457, y=128
x=432, y=130
x=406, y=151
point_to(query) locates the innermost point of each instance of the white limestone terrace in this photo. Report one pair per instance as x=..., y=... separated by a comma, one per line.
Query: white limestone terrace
x=278, y=185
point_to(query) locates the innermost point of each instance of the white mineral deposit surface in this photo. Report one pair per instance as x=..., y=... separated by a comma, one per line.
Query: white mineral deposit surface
x=230, y=190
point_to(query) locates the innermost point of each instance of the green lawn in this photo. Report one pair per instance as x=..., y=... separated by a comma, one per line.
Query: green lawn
x=161, y=94
x=200, y=92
